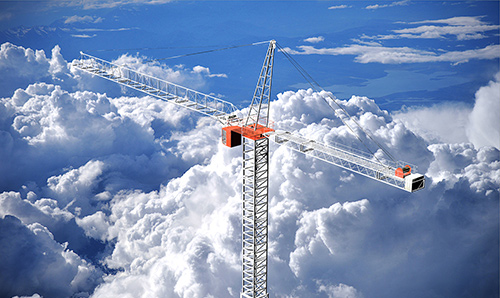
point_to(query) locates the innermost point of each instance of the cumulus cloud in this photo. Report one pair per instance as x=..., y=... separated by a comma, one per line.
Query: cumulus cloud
x=314, y=39
x=205, y=70
x=459, y=123
x=154, y=185
x=484, y=128
x=33, y=263
x=25, y=66
x=456, y=161
x=340, y=291
x=193, y=78
x=443, y=123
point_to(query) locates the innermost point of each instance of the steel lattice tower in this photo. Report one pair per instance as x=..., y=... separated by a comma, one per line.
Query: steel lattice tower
x=255, y=217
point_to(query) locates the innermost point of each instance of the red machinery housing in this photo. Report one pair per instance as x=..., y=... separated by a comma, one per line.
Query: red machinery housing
x=231, y=135
x=403, y=172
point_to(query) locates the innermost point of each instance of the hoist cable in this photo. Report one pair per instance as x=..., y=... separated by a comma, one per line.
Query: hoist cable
x=313, y=83
x=145, y=49
x=171, y=47
x=208, y=51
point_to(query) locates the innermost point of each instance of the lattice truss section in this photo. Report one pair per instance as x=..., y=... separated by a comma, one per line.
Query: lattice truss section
x=208, y=105
x=341, y=156
x=255, y=217
x=259, y=108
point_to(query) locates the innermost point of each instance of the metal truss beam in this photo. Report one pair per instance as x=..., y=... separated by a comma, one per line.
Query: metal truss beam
x=342, y=156
x=255, y=217
x=213, y=107
x=259, y=108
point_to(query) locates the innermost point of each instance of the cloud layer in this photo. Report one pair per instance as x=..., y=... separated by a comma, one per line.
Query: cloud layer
x=126, y=196
x=392, y=4
x=369, y=49
x=463, y=28
x=398, y=55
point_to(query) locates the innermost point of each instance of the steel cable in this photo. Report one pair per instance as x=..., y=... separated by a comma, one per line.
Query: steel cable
x=313, y=83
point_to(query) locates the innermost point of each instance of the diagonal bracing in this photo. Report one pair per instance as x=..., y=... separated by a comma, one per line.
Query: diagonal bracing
x=205, y=104
x=255, y=217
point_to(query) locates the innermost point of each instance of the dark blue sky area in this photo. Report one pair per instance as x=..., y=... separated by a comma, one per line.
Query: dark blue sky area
x=182, y=27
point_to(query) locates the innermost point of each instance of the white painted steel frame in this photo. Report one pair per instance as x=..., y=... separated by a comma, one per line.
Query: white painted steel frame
x=343, y=157
x=208, y=105
x=255, y=218
x=259, y=108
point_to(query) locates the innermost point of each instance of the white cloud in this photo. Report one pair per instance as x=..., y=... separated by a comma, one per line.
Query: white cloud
x=484, y=128
x=459, y=123
x=461, y=32
x=205, y=70
x=463, y=28
x=83, y=35
x=443, y=123
x=340, y=291
x=455, y=21
x=155, y=184
x=194, y=78
x=398, y=55
x=397, y=3
x=83, y=19
x=339, y=6
x=95, y=225
x=364, y=42
x=102, y=4
x=455, y=162
x=76, y=183
x=314, y=39
x=33, y=262
x=316, y=236
x=26, y=62
x=33, y=296
x=25, y=66
x=103, y=30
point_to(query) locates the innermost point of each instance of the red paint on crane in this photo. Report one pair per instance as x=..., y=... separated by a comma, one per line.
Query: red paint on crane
x=403, y=172
x=255, y=134
x=231, y=135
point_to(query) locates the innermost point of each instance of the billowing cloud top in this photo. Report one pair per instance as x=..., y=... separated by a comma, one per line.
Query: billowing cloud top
x=113, y=196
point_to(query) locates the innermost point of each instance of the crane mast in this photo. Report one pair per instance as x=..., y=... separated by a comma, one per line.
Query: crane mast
x=254, y=132
x=255, y=192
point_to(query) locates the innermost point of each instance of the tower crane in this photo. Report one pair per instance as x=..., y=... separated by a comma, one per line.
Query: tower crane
x=253, y=133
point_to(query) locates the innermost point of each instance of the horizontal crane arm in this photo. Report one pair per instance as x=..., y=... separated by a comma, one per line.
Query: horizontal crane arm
x=213, y=107
x=224, y=112
x=349, y=159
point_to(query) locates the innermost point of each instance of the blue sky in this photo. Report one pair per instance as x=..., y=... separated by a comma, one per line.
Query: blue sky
x=408, y=28
x=105, y=192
